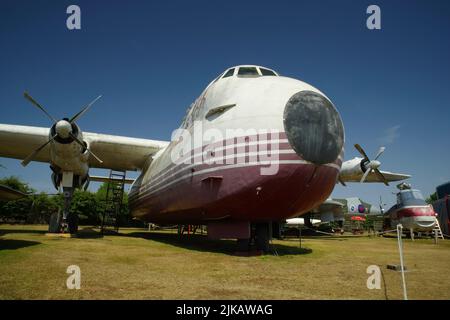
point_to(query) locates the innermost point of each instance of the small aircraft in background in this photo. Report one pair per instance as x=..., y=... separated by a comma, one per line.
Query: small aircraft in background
x=411, y=211
x=297, y=222
x=337, y=210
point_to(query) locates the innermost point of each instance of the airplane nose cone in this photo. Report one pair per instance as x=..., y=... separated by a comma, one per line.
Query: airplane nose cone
x=63, y=128
x=374, y=164
x=313, y=127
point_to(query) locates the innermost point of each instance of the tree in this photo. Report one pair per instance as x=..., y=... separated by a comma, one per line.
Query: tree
x=37, y=208
x=16, y=210
x=86, y=205
x=15, y=183
x=432, y=198
x=42, y=207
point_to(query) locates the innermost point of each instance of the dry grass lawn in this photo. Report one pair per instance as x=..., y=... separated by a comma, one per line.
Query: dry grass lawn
x=138, y=264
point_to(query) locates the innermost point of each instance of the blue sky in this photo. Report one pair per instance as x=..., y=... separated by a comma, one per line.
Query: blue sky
x=151, y=59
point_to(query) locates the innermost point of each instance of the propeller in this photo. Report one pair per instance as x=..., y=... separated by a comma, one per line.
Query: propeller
x=372, y=165
x=63, y=129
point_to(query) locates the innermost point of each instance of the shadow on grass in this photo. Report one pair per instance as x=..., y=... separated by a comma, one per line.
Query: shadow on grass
x=202, y=243
x=9, y=244
x=6, y=231
x=83, y=232
x=89, y=233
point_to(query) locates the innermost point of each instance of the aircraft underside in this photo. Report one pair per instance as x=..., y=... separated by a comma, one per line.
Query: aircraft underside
x=232, y=198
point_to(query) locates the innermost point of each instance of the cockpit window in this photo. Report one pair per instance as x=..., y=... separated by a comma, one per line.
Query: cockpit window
x=413, y=194
x=267, y=72
x=410, y=197
x=248, y=71
x=229, y=73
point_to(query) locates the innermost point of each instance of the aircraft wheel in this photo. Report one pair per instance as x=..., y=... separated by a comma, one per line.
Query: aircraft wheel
x=243, y=245
x=262, y=237
x=72, y=221
x=307, y=220
x=54, y=225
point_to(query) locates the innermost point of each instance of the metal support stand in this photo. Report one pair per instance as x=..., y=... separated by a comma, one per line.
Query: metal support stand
x=402, y=266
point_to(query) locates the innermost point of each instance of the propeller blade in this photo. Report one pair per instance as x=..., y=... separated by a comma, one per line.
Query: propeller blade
x=380, y=175
x=361, y=151
x=379, y=152
x=28, y=159
x=83, y=145
x=365, y=175
x=29, y=98
x=83, y=111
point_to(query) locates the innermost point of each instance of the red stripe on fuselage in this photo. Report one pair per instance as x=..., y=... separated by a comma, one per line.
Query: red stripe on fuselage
x=416, y=212
x=187, y=192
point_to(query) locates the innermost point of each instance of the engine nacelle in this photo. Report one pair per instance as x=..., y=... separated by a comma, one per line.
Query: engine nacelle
x=352, y=169
x=68, y=155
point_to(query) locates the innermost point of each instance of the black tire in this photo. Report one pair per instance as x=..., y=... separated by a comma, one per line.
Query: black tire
x=242, y=245
x=72, y=221
x=54, y=225
x=262, y=237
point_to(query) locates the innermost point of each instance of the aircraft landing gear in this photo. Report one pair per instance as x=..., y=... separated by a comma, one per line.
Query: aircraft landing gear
x=262, y=237
x=307, y=220
x=65, y=222
x=69, y=219
x=72, y=223
x=68, y=194
x=411, y=234
x=54, y=226
x=258, y=242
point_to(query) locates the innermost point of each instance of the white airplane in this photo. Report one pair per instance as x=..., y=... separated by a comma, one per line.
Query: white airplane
x=302, y=222
x=337, y=210
x=255, y=147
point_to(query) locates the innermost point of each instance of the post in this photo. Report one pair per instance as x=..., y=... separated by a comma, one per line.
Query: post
x=300, y=235
x=402, y=266
x=435, y=236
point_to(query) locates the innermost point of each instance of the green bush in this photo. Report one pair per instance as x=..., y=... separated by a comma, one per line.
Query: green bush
x=37, y=208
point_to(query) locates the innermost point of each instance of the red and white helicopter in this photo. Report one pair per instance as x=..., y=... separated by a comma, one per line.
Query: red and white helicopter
x=254, y=148
x=411, y=211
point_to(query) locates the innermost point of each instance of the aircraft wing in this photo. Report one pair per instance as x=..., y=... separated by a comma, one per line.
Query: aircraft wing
x=329, y=210
x=107, y=179
x=329, y=205
x=8, y=194
x=20, y=141
x=121, y=153
x=373, y=177
x=116, y=152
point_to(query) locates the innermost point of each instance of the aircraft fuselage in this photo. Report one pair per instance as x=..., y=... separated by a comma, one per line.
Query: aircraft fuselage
x=251, y=148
